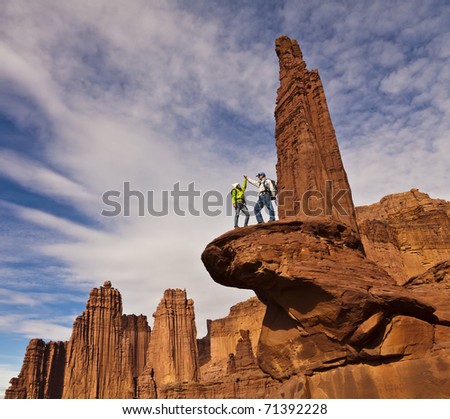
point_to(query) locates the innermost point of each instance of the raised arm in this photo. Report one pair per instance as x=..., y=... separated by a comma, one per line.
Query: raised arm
x=253, y=182
x=244, y=184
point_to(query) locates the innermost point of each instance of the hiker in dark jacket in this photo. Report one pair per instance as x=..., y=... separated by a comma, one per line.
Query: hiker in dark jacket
x=238, y=200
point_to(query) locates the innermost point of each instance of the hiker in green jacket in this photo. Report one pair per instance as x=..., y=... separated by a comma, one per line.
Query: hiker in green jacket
x=238, y=200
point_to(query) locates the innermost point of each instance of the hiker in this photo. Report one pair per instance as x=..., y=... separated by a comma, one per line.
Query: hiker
x=266, y=193
x=238, y=200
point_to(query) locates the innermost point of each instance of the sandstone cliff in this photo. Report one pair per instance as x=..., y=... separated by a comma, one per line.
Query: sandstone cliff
x=333, y=315
x=338, y=324
x=406, y=233
x=224, y=334
x=228, y=367
x=138, y=333
x=341, y=321
x=99, y=360
x=311, y=176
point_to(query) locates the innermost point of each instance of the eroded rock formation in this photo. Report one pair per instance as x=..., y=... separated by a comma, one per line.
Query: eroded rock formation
x=173, y=353
x=138, y=333
x=311, y=176
x=433, y=287
x=406, y=233
x=337, y=324
x=111, y=355
x=327, y=304
x=228, y=367
x=99, y=362
x=102, y=359
x=42, y=373
x=224, y=335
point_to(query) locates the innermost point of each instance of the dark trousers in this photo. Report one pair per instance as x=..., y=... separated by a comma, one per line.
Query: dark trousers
x=240, y=206
x=264, y=201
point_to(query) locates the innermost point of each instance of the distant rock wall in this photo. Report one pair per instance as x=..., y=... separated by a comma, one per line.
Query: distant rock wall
x=42, y=373
x=406, y=233
x=222, y=343
x=138, y=333
x=224, y=333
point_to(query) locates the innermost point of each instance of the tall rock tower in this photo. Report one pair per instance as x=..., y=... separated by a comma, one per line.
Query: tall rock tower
x=173, y=353
x=99, y=358
x=311, y=177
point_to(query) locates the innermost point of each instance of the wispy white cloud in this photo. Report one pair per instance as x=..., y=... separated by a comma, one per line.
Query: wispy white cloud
x=25, y=299
x=36, y=177
x=25, y=325
x=129, y=126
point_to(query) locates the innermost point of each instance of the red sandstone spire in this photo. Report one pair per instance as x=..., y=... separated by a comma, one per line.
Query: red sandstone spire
x=311, y=176
x=99, y=358
x=173, y=352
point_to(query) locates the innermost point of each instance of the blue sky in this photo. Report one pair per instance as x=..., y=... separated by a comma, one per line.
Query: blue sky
x=96, y=93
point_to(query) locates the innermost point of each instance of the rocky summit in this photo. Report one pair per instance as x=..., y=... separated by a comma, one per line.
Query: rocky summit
x=350, y=302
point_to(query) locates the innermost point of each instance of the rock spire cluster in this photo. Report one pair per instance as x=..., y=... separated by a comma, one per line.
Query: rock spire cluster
x=113, y=355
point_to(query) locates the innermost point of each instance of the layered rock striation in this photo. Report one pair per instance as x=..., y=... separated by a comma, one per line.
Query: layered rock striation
x=224, y=334
x=173, y=353
x=42, y=372
x=406, y=233
x=222, y=350
x=138, y=333
x=311, y=177
x=99, y=359
x=226, y=356
x=333, y=313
